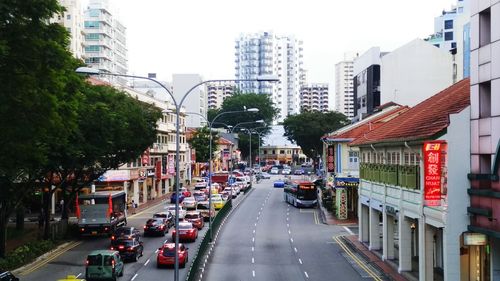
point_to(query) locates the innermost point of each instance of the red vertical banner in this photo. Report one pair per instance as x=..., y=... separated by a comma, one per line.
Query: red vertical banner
x=158, y=170
x=110, y=205
x=145, y=158
x=330, y=156
x=77, y=207
x=432, y=173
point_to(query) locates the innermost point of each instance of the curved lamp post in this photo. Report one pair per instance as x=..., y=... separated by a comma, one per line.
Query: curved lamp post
x=178, y=106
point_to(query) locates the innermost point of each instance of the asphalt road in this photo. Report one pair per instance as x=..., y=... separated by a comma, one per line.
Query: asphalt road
x=73, y=260
x=267, y=239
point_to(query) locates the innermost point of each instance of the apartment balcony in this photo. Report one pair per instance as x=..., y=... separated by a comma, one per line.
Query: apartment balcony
x=407, y=176
x=161, y=148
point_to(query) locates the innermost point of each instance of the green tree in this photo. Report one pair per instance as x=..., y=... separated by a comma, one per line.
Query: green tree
x=307, y=128
x=201, y=141
x=36, y=99
x=113, y=129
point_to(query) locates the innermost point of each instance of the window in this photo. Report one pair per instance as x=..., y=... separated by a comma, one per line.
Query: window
x=92, y=49
x=453, y=45
x=484, y=28
x=485, y=99
x=68, y=16
x=91, y=24
x=92, y=36
x=448, y=36
x=94, y=13
x=448, y=24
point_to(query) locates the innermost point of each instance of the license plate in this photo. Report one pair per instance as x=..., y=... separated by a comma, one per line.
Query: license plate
x=94, y=232
x=182, y=232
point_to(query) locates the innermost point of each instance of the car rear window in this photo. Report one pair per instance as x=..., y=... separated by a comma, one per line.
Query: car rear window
x=202, y=206
x=153, y=221
x=108, y=260
x=126, y=243
x=191, y=216
x=159, y=215
x=185, y=226
x=94, y=260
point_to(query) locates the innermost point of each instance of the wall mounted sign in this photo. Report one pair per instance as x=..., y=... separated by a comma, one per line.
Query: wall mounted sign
x=330, y=156
x=432, y=173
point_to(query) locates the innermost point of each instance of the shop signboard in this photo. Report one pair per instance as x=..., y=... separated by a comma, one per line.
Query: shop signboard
x=346, y=182
x=171, y=165
x=341, y=203
x=115, y=175
x=158, y=170
x=330, y=156
x=432, y=173
x=475, y=239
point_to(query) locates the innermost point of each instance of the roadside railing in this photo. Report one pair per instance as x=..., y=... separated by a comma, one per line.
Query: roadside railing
x=197, y=267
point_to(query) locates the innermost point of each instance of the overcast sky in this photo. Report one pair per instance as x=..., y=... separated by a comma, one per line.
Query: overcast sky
x=197, y=36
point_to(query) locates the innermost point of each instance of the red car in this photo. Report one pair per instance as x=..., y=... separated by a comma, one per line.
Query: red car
x=166, y=255
x=187, y=231
x=195, y=218
x=185, y=192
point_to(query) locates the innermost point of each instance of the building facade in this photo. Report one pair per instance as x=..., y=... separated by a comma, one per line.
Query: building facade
x=217, y=92
x=366, y=84
x=105, y=40
x=483, y=255
x=414, y=72
x=413, y=190
x=269, y=54
x=72, y=20
x=196, y=101
x=314, y=97
x=344, y=87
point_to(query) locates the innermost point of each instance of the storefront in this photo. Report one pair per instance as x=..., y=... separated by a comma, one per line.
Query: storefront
x=346, y=197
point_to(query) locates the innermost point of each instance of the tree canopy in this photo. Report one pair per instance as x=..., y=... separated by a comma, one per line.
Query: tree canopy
x=307, y=128
x=201, y=141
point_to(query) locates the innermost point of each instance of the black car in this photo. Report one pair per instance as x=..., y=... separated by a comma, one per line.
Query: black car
x=129, y=248
x=125, y=232
x=158, y=226
x=165, y=215
x=7, y=276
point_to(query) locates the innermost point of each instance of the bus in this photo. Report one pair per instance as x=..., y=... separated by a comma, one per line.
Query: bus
x=300, y=193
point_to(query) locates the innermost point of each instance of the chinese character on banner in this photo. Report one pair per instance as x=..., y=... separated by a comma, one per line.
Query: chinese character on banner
x=330, y=163
x=145, y=158
x=171, y=165
x=432, y=173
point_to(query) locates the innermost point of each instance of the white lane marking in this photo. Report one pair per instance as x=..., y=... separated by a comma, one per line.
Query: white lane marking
x=289, y=232
x=291, y=240
x=295, y=249
x=156, y=251
x=253, y=261
x=288, y=225
x=166, y=240
x=79, y=274
x=348, y=230
x=254, y=231
x=253, y=249
x=146, y=263
x=300, y=261
x=261, y=208
x=287, y=219
x=135, y=276
x=253, y=273
x=259, y=213
x=253, y=239
x=255, y=224
x=305, y=272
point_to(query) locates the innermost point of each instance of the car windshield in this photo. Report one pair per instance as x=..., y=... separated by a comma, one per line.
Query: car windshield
x=94, y=260
x=122, y=231
x=192, y=216
x=126, y=243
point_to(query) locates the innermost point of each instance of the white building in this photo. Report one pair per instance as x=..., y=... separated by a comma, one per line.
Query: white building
x=217, y=92
x=414, y=72
x=344, y=88
x=314, y=97
x=196, y=101
x=264, y=54
x=72, y=20
x=105, y=40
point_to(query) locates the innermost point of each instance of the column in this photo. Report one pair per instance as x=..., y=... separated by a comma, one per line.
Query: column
x=159, y=185
x=388, y=236
x=425, y=252
x=135, y=191
x=144, y=191
x=363, y=223
x=404, y=243
x=153, y=188
x=374, y=230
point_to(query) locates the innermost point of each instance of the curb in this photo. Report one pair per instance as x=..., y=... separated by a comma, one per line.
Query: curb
x=44, y=256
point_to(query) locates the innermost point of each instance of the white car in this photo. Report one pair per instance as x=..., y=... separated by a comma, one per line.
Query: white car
x=171, y=209
x=230, y=190
x=286, y=171
x=274, y=171
x=189, y=203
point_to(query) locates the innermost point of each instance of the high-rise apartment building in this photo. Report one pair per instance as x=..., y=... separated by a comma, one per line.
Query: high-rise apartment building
x=268, y=54
x=314, y=97
x=72, y=20
x=344, y=89
x=217, y=92
x=105, y=40
x=482, y=260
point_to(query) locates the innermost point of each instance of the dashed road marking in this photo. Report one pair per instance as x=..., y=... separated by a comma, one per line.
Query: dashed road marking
x=253, y=260
x=291, y=240
x=135, y=276
x=300, y=261
x=79, y=274
x=295, y=249
x=253, y=273
x=253, y=249
x=305, y=272
x=146, y=263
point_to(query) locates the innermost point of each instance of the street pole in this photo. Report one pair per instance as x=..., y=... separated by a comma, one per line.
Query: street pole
x=178, y=106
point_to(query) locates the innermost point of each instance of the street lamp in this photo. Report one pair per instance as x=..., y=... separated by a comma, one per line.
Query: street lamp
x=178, y=106
x=210, y=159
x=245, y=123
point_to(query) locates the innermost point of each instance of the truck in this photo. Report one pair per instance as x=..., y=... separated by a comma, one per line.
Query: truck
x=221, y=179
x=101, y=212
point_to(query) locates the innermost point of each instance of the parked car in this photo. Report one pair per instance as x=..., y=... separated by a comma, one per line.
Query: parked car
x=229, y=192
x=124, y=232
x=199, y=196
x=299, y=172
x=195, y=218
x=200, y=184
x=166, y=255
x=171, y=209
x=156, y=226
x=165, y=215
x=129, y=249
x=203, y=208
x=185, y=192
x=103, y=265
x=274, y=171
x=189, y=203
x=187, y=232
x=173, y=198
x=7, y=276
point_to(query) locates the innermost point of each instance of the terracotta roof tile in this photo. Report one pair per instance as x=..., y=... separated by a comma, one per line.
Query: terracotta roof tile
x=424, y=120
x=224, y=141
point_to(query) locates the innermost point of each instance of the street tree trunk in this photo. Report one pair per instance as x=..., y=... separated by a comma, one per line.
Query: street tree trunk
x=20, y=218
x=3, y=228
x=46, y=206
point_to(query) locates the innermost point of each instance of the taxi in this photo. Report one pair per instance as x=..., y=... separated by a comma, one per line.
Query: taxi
x=217, y=201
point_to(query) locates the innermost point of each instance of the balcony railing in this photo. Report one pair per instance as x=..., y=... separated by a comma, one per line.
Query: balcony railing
x=407, y=176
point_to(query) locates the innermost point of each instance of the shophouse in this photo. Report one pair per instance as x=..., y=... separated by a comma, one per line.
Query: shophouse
x=413, y=186
x=342, y=160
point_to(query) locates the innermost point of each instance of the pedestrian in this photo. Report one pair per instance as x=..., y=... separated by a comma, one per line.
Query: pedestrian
x=133, y=207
